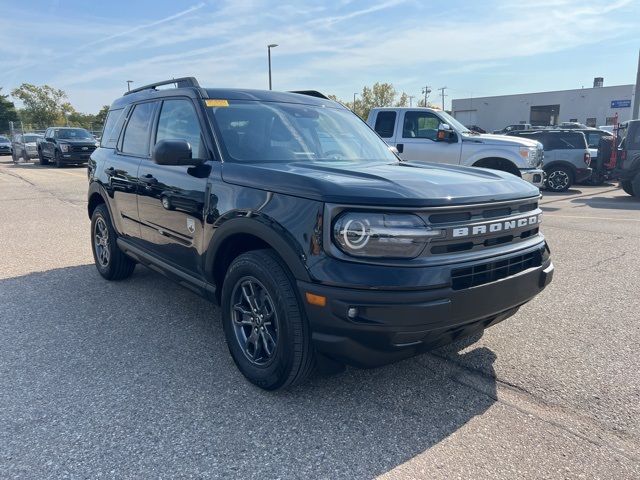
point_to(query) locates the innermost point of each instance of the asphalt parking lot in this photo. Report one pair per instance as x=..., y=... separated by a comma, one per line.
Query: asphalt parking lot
x=133, y=379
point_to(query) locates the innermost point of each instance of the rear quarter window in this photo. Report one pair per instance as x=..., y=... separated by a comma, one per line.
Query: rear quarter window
x=112, y=128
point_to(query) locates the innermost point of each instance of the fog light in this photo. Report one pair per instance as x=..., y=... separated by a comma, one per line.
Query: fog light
x=352, y=312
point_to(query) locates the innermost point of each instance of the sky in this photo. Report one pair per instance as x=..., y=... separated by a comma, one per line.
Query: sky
x=475, y=48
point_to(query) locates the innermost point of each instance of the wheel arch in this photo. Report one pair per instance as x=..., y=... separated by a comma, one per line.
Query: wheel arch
x=240, y=235
x=498, y=163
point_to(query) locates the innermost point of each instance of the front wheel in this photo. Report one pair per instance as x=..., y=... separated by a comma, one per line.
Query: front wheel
x=41, y=158
x=58, y=160
x=627, y=186
x=110, y=261
x=264, y=324
x=558, y=179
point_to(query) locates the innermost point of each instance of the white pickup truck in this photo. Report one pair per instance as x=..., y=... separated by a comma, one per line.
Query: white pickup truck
x=427, y=135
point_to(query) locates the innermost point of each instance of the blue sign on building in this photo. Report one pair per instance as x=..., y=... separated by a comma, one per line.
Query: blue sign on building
x=620, y=103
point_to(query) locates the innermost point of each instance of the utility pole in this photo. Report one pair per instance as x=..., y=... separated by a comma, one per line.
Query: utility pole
x=426, y=91
x=129, y=82
x=636, y=95
x=354, y=102
x=411, y=100
x=442, y=94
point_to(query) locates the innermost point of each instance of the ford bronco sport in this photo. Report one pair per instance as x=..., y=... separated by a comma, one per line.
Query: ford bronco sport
x=320, y=245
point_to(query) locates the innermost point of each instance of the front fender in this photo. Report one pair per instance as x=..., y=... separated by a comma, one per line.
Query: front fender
x=264, y=228
x=494, y=152
x=96, y=188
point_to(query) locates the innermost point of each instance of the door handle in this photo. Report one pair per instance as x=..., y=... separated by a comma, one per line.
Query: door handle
x=148, y=179
x=400, y=147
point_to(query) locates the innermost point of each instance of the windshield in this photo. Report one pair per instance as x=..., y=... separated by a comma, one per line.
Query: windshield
x=74, y=134
x=455, y=124
x=3, y=139
x=255, y=131
x=30, y=138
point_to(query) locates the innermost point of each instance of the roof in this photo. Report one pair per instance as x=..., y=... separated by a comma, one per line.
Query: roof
x=307, y=98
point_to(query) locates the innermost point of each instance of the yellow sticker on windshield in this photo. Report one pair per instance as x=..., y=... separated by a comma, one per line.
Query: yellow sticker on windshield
x=216, y=103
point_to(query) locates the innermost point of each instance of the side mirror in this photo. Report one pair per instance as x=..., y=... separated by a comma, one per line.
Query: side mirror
x=49, y=139
x=445, y=134
x=173, y=152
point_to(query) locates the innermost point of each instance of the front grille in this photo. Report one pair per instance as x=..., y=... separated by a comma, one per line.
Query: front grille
x=483, y=226
x=80, y=148
x=468, y=277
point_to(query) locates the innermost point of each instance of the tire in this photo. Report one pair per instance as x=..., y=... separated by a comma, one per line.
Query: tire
x=279, y=315
x=627, y=186
x=25, y=156
x=13, y=156
x=58, y=160
x=111, y=263
x=558, y=179
x=41, y=158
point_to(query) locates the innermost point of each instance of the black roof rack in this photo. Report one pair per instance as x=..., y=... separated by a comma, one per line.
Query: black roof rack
x=311, y=93
x=179, y=82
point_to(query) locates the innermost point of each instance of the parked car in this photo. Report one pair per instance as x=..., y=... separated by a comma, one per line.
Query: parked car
x=66, y=146
x=319, y=244
x=606, y=128
x=628, y=157
x=512, y=128
x=476, y=128
x=5, y=146
x=600, y=167
x=571, y=126
x=25, y=146
x=426, y=135
x=567, y=157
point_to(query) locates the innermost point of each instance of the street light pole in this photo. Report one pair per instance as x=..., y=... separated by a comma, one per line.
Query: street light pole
x=411, y=100
x=129, y=82
x=269, y=47
x=354, y=102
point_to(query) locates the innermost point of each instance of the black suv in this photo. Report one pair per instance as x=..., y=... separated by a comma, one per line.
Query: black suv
x=319, y=244
x=66, y=146
x=628, y=157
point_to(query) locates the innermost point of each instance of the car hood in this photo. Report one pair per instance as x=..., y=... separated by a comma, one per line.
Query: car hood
x=5, y=144
x=384, y=184
x=502, y=140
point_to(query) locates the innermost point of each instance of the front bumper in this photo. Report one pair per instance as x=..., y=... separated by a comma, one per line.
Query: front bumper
x=75, y=157
x=534, y=176
x=390, y=325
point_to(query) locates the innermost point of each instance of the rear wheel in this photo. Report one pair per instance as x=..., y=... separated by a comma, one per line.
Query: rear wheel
x=627, y=186
x=558, y=179
x=265, y=327
x=109, y=259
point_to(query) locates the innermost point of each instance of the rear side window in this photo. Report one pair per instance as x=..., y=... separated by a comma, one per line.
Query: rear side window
x=112, y=128
x=567, y=141
x=136, y=134
x=385, y=124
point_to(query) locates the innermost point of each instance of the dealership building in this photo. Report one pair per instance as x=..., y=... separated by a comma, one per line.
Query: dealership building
x=595, y=106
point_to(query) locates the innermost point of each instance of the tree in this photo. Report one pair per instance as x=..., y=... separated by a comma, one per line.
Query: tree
x=7, y=113
x=43, y=105
x=430, y=105
x=101, y=116
x=403, y=101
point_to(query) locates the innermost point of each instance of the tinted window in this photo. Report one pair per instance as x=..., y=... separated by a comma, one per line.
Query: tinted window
x=112, y=128
x=420, y=125
x=136, y=135
x=30, y=138
x=179, y=121
x=385, y=124
x=565, y=141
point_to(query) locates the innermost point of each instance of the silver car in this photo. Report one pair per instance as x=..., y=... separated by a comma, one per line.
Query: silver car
x=567, y=158
x=24, y=145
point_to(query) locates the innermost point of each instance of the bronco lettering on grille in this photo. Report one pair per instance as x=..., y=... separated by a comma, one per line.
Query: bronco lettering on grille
x=494, y=227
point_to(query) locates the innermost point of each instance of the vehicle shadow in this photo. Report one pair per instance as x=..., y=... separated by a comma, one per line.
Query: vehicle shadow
x=626, y=202
x=130, y=378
